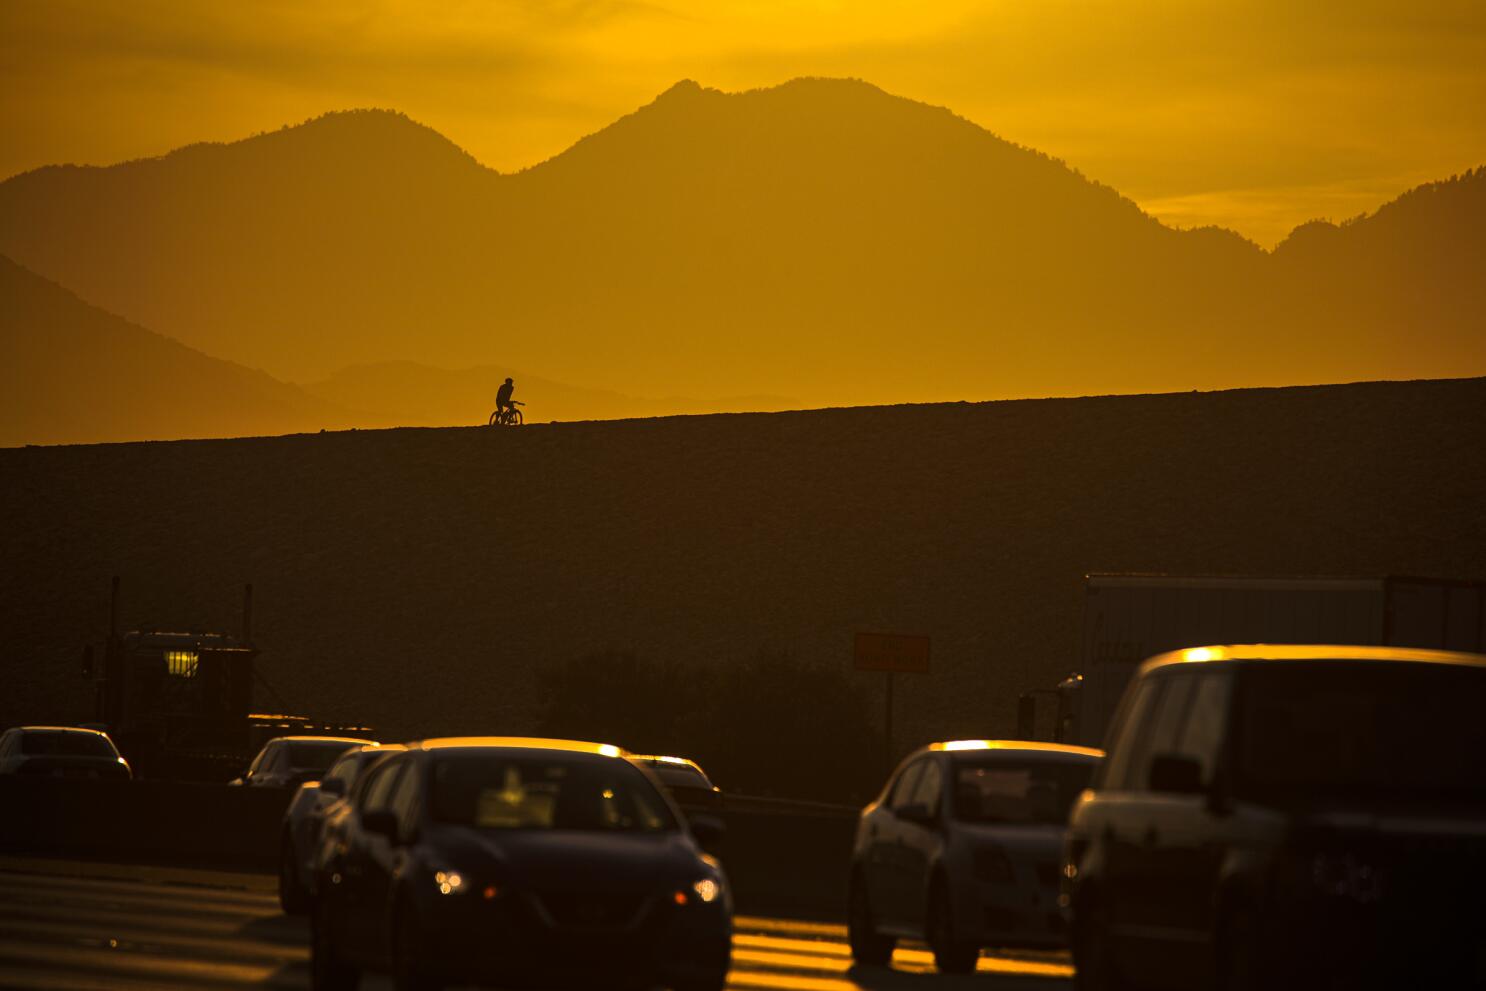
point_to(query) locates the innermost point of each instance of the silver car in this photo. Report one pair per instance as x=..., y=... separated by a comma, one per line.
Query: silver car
x=304, y=820
x=962, y=849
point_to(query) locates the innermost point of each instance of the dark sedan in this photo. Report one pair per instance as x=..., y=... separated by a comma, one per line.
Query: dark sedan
x=512, y=861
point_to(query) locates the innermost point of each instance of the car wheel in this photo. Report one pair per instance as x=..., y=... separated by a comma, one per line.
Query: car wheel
x=1094, y=968
x=293, y=898
x=868, y=947
x=409, y=965
x=951, y=956
x=329, y=971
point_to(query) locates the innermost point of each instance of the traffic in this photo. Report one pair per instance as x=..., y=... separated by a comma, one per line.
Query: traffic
x=1266, y=816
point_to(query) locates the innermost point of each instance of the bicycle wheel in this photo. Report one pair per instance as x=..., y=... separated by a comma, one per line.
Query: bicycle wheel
x=515, y=419
x=494, y=415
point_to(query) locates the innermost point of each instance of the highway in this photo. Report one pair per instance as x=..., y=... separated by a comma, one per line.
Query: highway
x=81, y=926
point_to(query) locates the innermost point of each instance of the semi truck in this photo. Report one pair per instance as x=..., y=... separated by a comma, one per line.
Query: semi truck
x=1128, y=618
x=179, y=704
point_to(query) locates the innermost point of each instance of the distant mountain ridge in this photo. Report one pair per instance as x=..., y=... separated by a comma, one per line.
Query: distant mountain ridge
x=820, y=239
x=71, y=373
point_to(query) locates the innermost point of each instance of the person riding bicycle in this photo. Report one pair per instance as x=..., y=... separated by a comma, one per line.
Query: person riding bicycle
x=503, y=397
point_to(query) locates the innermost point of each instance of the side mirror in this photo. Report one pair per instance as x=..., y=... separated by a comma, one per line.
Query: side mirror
x=917, y=812
x=333, y=786
x=1175, y=774
x=381, y=821
x=708, y=831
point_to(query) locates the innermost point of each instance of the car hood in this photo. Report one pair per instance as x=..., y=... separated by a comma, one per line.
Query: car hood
x=564, y=859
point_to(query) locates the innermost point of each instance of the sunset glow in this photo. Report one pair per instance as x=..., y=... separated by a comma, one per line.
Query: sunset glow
x=1254, y=116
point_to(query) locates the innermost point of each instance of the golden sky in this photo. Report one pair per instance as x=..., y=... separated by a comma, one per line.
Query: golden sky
x=1254, y=115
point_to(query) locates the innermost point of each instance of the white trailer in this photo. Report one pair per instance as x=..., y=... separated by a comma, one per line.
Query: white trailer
x=1128, y=618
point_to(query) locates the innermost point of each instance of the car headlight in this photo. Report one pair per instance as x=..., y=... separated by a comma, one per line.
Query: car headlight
x=704, y=892
x=450, y=882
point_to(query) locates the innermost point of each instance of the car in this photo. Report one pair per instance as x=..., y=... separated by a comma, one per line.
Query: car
x=61, y=752
x=304, y=819
x=289, y=761
x=685, y=780
x=1286, y=816
x=517, y=861
x=962, y=850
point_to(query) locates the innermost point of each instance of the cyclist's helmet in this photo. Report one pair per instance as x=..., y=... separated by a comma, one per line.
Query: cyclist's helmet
x=510, y=382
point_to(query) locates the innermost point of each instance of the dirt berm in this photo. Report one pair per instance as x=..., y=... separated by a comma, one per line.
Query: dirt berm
x=417, y=579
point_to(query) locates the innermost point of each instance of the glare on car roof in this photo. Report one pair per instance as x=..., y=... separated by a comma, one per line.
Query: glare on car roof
x=524, y=743
x=1016, y=745
x=1312, y=652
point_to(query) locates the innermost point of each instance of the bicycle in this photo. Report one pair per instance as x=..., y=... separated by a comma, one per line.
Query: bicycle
x=508, y=417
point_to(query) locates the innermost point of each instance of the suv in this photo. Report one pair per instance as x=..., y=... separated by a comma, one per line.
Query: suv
x=1277, y=816
x=961, y=849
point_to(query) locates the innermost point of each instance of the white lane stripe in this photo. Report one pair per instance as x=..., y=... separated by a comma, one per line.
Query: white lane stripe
x=828, y=948
x=274, y=928
x=756, y=923
x=54, y=979
x=40, y=882
x=139, y=903
x=165, y=970
x=788, y=982
x=129, y=940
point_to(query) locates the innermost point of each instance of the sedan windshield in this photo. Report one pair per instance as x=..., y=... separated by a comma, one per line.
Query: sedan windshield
x=316, y=756
x=1362, y=730
x=543, y=793
x=63, y=744
x=1036, y=792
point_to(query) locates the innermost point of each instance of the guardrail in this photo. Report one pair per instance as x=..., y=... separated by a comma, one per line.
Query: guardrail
x=782, y=856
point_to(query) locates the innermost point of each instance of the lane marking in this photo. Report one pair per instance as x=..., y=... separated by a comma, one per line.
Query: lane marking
x=757, y=923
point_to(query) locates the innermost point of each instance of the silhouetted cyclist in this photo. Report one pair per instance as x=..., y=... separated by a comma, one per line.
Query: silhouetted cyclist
x=503, y=397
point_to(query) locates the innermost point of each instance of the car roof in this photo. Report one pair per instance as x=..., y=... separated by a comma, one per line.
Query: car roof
x=1015, y=746
x=1279, y=653
x=518, y=743
x=353, y=740
x=59, y=729
x=658, y=759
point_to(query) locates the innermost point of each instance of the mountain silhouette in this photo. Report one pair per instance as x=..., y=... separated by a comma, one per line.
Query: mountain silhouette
x=821, y=239
x=71, y=373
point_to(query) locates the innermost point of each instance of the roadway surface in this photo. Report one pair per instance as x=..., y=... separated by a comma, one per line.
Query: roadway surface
x=81, y=926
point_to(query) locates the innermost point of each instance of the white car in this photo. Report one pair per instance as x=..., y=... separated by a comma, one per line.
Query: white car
x=61, y=752
x=962, y=850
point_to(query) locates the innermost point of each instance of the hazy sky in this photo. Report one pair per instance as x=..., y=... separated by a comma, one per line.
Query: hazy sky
x=1256, y=115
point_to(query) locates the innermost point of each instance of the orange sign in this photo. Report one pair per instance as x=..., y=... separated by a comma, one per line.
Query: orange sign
x=892, y=652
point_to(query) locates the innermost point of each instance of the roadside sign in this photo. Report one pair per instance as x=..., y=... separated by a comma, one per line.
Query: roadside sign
x=891, y=652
